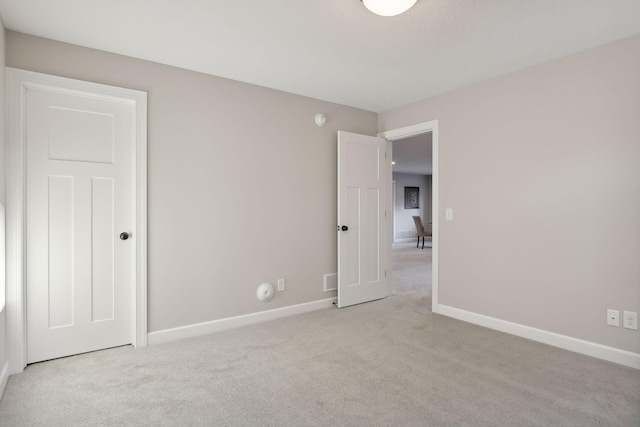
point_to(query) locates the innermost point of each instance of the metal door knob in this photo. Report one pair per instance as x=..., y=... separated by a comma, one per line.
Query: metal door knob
x=124, y=236
x=345, y=228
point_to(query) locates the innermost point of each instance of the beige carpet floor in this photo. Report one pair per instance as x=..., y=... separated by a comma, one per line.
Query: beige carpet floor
x=386, y=363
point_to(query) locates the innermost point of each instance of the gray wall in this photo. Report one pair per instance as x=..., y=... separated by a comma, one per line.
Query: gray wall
x=238, y=172
x=553, y=238
x=242, y=183
x=403, y=217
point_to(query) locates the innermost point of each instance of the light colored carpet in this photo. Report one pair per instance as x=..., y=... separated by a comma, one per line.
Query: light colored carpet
x=386, y=363
x=411, y=268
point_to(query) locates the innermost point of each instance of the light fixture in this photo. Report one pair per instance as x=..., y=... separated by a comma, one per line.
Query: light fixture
x=388, y=7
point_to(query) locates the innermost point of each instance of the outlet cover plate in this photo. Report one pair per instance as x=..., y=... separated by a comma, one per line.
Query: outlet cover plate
x=613, y=318
x=630, y=320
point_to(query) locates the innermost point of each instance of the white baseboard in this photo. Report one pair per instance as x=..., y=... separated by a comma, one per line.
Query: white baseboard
x=411, y=240
x=404, y=239
x=588, y=348
x=205, y=328
x=4, y=377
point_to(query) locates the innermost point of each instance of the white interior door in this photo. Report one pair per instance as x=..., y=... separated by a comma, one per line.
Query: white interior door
x=80, y=189
x=363, y=184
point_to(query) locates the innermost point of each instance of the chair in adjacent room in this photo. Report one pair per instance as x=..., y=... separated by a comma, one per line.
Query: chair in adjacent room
x=422, y=232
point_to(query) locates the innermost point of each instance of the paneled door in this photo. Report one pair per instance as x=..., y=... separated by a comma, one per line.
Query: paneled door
x=363, y=187
x=80, y=218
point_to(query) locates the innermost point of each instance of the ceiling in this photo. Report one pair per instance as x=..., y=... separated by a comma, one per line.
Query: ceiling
x=335, y=50
x=414, y=155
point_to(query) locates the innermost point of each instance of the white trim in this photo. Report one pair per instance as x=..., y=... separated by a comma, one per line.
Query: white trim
x=405, y=240
x=389, y=216
x=407, y=132
x=588, y=348
x=17, y=81
x=140, y=301
x=393, y=206
x=413, y=240
x=4, y=374
x=4, y=377
x=206, y=328
x=14, y=162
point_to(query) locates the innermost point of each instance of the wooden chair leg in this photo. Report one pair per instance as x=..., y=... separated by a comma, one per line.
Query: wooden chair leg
x=418, y=244
x=422, y=242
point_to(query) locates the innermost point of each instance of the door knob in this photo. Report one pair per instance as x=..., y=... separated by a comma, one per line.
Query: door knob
x=124, y=236
x=345, y=228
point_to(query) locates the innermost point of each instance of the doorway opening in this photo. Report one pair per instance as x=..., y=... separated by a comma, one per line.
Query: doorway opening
x=412, y=226
x=415, y=193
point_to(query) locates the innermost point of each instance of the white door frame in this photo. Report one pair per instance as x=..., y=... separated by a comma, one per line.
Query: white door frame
x=17, y=82
x=407, y=132
x=393, y=209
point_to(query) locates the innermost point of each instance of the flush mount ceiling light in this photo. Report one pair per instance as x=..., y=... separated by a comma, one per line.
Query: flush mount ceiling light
x=388, y=7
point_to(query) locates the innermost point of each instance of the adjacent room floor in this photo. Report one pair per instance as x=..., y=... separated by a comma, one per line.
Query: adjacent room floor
x=388, y=363
x=411, y=269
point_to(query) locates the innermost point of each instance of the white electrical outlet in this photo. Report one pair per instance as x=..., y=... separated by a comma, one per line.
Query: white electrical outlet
x=613, y=318
x=281, y=285
x=630, y=320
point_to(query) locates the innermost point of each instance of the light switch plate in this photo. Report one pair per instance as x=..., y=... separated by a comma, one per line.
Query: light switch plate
x=449, y=214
